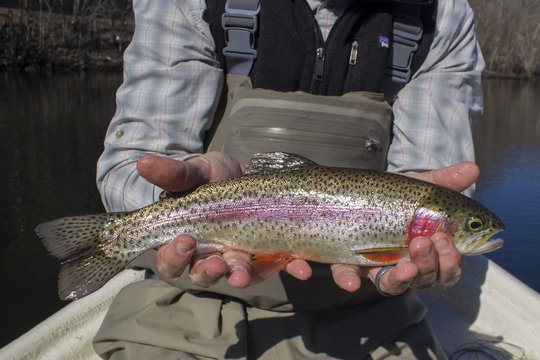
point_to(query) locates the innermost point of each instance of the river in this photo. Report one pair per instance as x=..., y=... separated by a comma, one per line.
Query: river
x=51, y=134
x=507, y=144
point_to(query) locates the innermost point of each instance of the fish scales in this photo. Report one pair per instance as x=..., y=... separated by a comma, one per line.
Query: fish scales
x=331, y=215
x=265, y=212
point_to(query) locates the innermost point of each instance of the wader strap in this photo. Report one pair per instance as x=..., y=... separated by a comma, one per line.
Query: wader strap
x=240, y=21
x=406, y=35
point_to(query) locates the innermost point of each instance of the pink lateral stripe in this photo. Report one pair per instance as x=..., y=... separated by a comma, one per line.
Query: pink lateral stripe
x=288, y=209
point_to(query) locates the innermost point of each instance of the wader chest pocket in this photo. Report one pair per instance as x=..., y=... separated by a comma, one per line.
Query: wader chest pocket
x=351, y=130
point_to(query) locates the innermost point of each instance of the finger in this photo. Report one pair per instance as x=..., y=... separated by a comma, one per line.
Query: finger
x=423, y=254
x=171, y=259
x=299, y=269
x=396, y=280
x=238, y=263
x=449, y=259
x=217, y=166
x=206, y=272
x=346, y=276
x=170, y=174
x=457, y=177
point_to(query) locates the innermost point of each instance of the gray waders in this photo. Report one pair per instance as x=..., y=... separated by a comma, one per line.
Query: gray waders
x=282, y=317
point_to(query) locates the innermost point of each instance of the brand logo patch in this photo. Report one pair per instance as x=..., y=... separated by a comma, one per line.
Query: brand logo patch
x=384, y=42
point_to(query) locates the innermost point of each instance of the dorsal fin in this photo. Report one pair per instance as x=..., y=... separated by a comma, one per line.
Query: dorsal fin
x=271, y=161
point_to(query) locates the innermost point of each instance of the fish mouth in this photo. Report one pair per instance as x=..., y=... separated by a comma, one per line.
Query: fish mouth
x=483, y=242
x=490, y=245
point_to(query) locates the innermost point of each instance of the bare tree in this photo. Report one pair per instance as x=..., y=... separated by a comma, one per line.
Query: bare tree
x=60, y=33
x=508, y=31
x=509, y=34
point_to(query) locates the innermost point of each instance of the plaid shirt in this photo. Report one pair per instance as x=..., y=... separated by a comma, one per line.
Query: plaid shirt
x=173, y=81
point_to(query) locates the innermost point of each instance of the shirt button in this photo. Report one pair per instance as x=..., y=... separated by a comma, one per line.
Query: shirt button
x=119, y=133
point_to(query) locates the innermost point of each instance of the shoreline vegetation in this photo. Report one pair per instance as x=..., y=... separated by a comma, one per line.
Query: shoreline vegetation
x=64, y=35
x=74, y=35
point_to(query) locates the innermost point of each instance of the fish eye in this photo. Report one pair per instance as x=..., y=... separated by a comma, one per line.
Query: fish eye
x=475, y=224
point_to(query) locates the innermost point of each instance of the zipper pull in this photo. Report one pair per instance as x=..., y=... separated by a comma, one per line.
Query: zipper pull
x=371, y=145
x=354, y=53
x=319, y=65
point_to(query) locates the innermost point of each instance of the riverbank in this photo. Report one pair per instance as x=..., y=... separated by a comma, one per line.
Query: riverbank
x=95, y=37
x=33, y=41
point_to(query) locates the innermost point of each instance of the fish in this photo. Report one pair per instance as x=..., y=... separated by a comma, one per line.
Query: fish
x=284, y=207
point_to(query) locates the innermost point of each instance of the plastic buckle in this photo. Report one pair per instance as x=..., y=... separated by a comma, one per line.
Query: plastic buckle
x=401, y=76
x=401, y=53
x=240, y=27
x=405, y=37
x=408, y=27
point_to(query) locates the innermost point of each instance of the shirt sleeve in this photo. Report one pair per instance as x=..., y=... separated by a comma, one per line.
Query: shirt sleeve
x=435, y=111
x=171, y=86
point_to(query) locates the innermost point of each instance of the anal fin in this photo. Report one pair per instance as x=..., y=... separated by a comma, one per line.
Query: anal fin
x=266, y=265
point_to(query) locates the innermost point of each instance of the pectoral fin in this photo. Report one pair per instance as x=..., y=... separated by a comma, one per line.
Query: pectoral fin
x=384, y=256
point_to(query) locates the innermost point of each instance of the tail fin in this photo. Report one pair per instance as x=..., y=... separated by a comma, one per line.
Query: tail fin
x=75, y=241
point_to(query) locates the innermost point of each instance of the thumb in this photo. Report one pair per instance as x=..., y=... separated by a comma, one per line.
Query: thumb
x=457, y=177
x=169, y=174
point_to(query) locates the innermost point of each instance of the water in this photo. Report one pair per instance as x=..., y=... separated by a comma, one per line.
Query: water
x=51, y=134
x=508, y=153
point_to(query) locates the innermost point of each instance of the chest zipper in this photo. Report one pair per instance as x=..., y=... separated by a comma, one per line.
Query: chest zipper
x=319, y=64
x=369, y=145
x=354, y=53
x=320, y=52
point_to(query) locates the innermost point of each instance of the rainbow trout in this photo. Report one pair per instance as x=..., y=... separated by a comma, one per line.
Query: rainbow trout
x=284, y=207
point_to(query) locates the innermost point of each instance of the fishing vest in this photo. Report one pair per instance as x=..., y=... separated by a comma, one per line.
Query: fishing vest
x=287, y=90
x=290, y=90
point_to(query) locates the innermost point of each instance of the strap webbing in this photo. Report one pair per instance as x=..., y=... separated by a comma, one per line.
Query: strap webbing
x=240, y=21
x=406, y=35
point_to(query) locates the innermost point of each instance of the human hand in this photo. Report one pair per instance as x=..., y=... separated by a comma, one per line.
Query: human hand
x=432, y=260
x=172, y=258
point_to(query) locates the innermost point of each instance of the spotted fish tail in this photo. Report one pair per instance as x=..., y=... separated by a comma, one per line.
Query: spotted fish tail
x=75, y=241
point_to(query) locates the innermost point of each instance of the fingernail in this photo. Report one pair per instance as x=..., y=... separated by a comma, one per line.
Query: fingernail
x=183, y=248
x=144, y=160
x=350, y=281
x=426, y=252
x=239, y=277
x=466, y=170
x=168, y=272
x=453, y=278
x=212, y=275
x=299, y=270
x=442, y=244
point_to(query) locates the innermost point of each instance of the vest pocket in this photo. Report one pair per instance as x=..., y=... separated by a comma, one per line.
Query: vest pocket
x=351, y=130
x=307, y=137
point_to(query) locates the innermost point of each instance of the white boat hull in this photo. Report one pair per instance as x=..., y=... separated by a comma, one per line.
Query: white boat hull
x=487, y=304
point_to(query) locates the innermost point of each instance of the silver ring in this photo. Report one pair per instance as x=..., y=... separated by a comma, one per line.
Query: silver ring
x=378, y=277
